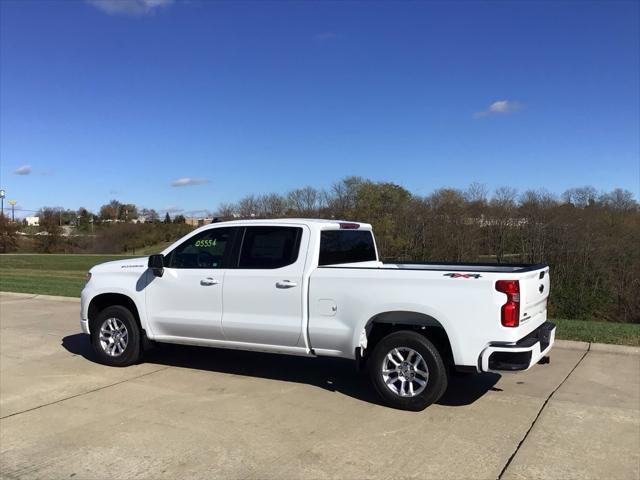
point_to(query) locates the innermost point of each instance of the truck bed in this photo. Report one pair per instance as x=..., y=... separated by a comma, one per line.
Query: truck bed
x=468, y=267
x=446, y=266
x=460, y=297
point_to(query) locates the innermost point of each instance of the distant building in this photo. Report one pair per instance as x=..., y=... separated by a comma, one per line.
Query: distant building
x=139, y=220
x=32, y=221
x=198, y=222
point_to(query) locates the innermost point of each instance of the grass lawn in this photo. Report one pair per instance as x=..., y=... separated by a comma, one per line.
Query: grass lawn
x=157, y=248
x=598, y=332
x=65, y=275
x=48, y=274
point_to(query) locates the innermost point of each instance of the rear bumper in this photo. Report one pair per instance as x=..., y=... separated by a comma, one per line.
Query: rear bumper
x=521, y=355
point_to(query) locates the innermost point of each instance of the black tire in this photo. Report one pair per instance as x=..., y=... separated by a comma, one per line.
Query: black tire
x=132, y=353
x=436, y=382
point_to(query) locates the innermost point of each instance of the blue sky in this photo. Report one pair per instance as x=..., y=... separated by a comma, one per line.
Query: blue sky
x=123, y=98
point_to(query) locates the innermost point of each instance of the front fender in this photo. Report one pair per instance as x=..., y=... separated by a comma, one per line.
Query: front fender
x=123, y=286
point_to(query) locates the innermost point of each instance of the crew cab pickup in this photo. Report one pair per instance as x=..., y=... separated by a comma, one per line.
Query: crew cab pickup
x=318, y=288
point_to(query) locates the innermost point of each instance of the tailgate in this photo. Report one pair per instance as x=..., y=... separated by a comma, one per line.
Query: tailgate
x=534, y=292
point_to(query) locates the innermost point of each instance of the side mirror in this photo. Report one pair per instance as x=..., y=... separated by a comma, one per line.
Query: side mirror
x=156, y=264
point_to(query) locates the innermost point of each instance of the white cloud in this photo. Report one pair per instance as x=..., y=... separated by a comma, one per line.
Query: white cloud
x=130, y=8
x=172, y=209
x=500, y=107
x=325, y=37
x=188, y=181
x=23, y=170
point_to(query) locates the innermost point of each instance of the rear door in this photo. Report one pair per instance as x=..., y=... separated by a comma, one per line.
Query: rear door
x=263, y=294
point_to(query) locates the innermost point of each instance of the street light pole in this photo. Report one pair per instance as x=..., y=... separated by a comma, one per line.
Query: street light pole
x=13, y=214
x=2, y=195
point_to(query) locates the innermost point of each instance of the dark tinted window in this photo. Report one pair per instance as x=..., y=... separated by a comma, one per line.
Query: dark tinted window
x=269, y=247
x=346, y=246
x=205, y=250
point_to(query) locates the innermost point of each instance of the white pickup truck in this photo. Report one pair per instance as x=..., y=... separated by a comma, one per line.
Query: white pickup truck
x=317, y=288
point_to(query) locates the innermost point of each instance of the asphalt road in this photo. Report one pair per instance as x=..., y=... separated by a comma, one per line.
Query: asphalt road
x=196, y=412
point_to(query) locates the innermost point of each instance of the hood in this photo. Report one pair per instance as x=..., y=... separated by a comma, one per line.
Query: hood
x=132, y=264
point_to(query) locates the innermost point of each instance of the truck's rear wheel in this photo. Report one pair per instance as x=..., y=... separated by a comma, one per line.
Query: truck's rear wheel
x=407, y=371
x=115, y=337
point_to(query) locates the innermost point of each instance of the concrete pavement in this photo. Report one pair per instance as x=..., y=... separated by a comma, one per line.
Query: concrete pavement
x=195, y=412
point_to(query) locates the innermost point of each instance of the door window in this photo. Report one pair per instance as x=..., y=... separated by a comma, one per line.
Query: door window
x=207, y=249
x=269, y=247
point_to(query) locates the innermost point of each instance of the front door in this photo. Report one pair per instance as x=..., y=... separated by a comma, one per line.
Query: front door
x=263, y=296
x=187, y=300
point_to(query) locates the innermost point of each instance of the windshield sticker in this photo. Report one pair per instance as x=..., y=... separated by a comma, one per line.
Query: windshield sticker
x=206, y=243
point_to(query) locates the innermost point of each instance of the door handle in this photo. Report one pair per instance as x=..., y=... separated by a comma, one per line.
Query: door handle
x=209, y=281
x=286, y=284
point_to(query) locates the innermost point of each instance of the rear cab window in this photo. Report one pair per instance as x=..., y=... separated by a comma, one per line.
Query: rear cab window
x=346, y=246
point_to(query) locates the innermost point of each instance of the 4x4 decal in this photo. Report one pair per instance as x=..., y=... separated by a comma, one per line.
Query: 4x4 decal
x=463, y=275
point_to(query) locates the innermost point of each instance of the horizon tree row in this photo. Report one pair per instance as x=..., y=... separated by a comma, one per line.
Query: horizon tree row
x=590, y=239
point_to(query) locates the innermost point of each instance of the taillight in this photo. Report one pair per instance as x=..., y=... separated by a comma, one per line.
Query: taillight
x=349, y=226
x=510, y=313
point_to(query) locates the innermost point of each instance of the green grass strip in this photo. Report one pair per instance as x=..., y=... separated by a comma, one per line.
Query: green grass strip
x=598, y=332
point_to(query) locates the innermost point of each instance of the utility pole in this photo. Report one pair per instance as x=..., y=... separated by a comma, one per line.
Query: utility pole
x=13, y=215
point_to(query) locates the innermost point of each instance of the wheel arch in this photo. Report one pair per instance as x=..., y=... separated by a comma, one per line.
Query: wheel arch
x=104, y=300
x=384, y=323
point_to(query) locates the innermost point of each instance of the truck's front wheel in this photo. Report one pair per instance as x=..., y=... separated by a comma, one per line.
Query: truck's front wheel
x=115, y=337
x=407, y=371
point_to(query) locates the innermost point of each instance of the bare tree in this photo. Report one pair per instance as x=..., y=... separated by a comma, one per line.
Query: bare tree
x=580, y=197
x=341, y=198
x=476, y=193
x=227, y=210
x=248, y=207
x=501, y=220
x=304, y=201
x=8, y=237
x=272, y=205
x=50, y=229
x=619, y=199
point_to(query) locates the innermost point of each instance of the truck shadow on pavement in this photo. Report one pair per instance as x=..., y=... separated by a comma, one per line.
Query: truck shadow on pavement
x=333, y=374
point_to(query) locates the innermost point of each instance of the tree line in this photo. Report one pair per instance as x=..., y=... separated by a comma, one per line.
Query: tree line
x=589, y=239
x=112, y=212
x=81, y=231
